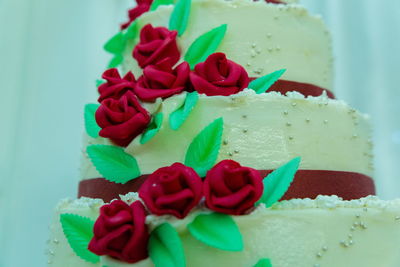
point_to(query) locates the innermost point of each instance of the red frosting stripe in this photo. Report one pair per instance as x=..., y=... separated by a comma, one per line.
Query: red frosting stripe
x=311, y=183
x=306, y=184
x=284, y=86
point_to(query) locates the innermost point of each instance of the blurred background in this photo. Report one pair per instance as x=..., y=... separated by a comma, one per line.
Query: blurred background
x=51, y=54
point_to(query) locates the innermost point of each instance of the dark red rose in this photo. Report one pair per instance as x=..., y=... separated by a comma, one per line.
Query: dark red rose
x=172, y=190
x=232, y=189
x=219, y=76
x=142, y=7
x=162, y=81
x=120, y=232
x=123, y=119
x=115, y=87
x=156, y=44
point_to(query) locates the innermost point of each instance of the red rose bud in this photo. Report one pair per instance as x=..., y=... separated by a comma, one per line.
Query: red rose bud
x=120, y=232
x=156, y=44
x=219, y=76
x=142, y=7
x=122, y=120
x=232, y=189
x=172, y=190
x=162, y=81
x=115, y=87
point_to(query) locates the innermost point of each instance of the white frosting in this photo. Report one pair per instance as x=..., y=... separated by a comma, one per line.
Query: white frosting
x=299, y=232
x=261, y=37
x=262, y=131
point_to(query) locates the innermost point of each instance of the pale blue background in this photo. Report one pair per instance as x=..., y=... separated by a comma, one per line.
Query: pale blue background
x=50, y=56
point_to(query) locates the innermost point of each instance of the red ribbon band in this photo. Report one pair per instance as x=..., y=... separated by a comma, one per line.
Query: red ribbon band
x=306, y=184
x=306, y=89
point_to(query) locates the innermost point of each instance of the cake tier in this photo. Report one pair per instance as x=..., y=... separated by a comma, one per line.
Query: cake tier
x=325, y=232
x=260, y=36
x=262, y=131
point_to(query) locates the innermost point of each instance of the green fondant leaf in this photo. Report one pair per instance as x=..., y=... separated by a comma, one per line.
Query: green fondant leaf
x=99, y=82
x=113, y=163
x=157, y=3
x=262, y=84
x=129, y=34
x=217, y=230
x=92, y=129
x=205, y=45
x=263, y=263
x=180, y=16
x=115, y=61
x=79, y=231
x=153, y=128
x=203, y=151
x=277, y=182
x=179, y=116
x=165, y=247
x=116, y=44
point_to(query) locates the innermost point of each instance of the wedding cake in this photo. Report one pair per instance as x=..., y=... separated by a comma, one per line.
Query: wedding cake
x=217, y=140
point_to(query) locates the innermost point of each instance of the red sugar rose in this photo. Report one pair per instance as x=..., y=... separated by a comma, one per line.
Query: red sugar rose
x=120, y=232
x=172, y=190
x=115, y=87
x=162, y=81
x=142, y=7
x=123, y=119
x=156, y=44
x=219, y=76
x=232, y=189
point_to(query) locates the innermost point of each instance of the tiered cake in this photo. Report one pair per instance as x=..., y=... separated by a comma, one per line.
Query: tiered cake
x=218, y=131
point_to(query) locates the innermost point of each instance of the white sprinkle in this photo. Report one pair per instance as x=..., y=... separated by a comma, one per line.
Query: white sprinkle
x=350, y=236
x=344, y=244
